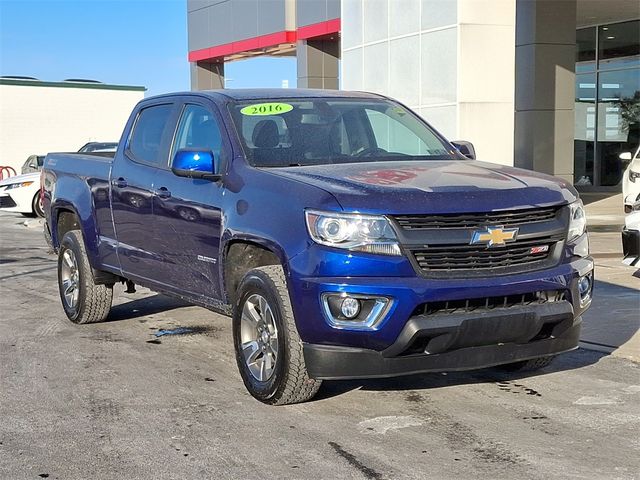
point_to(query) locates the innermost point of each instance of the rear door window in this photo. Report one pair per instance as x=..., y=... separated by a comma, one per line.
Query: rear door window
x=148, y=133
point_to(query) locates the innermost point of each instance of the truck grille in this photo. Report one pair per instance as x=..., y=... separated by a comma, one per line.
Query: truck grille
x=476, y=257
x=474, y=220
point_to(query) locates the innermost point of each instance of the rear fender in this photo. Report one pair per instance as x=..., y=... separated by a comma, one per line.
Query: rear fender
x=85, y=222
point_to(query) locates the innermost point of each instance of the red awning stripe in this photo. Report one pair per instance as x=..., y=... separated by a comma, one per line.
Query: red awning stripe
x=265, y=41
x=319, y=29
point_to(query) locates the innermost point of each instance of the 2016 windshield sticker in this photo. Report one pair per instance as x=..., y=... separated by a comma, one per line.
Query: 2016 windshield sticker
x=266, y=109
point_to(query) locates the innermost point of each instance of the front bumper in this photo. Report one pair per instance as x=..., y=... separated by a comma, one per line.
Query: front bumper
x=19, y=200
x=451, y=342
x=7, y=202
x=410, y=294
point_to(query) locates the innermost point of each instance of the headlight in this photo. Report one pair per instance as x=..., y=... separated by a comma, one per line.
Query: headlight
x=633, y=175
x=578, y=220
x=362, y=233
x=18, y=185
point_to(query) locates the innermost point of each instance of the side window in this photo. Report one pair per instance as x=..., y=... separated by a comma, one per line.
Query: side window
x=146, y=138
x=198, y=130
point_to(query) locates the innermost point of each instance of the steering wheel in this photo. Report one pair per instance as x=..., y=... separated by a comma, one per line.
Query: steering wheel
x=369, y=152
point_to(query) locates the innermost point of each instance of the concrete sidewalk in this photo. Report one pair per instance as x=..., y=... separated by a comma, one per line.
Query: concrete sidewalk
x=612, y=324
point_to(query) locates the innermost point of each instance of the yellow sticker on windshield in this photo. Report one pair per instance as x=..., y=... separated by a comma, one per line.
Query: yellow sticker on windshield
x=266, y=109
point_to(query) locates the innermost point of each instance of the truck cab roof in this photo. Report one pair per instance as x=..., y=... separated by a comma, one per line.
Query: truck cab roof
x=241, y=94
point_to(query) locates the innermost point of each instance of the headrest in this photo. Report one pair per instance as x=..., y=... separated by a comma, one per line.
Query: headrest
x=265, y=134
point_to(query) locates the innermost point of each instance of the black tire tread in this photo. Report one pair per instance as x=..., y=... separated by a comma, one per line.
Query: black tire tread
x=97, y=298
x=298, y=386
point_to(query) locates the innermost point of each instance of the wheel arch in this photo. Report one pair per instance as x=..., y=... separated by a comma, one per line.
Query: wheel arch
x=242, y=254
x=63, y=219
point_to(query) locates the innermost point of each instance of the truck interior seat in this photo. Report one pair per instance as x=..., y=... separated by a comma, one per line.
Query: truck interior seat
x=266, y=139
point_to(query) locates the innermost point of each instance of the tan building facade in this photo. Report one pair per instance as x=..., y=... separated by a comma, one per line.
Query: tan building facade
x=499, y=73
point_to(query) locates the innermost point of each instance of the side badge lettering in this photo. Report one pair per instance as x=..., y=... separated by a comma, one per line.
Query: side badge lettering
x=202, y=258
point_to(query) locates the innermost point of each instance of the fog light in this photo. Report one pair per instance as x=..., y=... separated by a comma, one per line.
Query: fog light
x=350, y=307
x=355, y=311
x=585, y=285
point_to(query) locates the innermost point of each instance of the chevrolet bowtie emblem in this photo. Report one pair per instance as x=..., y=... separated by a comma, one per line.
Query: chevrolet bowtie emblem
x=494, y=236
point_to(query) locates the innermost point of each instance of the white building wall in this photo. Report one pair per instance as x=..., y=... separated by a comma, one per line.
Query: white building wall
x=452, y=61
x=486, y=77
x=42, y=119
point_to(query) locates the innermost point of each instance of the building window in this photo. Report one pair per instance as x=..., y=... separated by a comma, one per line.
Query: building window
x=607, y=102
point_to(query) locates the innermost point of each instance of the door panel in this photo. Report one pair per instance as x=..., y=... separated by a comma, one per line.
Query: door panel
x=187, y=233
x=187, y=211
x=131, y=186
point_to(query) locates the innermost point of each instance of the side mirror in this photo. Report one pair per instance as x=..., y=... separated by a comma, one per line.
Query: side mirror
x=465, y=148
x=625, y=156
x=194, y=164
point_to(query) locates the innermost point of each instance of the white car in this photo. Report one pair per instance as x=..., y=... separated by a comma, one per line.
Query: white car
x=21, y=194
x=631, y=179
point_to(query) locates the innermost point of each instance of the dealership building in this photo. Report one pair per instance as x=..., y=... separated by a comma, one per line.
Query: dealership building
x=549, y=85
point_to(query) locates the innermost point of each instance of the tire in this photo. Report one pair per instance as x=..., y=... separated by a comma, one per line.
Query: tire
x=36, y=205
x=528, y=365
x=289, y=381
x=82, y=300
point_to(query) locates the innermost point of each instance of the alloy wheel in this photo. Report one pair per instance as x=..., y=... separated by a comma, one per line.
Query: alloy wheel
x=259, y=337
x=70, y=279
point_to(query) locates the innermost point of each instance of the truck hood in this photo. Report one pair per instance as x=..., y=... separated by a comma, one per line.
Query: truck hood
x=432, y=186
x=27, y=177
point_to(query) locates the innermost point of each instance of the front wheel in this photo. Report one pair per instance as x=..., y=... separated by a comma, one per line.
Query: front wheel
x=268, y=348
x=82, y=300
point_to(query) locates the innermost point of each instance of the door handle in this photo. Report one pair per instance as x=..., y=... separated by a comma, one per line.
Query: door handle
x=119, y=182
x=163, y=192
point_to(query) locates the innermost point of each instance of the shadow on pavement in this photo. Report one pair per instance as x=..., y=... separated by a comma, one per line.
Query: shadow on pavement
x=144, y=306
x=430, y=381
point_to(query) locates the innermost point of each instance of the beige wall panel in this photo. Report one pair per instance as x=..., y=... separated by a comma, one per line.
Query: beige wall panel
x=38, y=120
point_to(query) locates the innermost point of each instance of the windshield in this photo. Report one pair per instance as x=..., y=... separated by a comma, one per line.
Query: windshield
x=320, y=131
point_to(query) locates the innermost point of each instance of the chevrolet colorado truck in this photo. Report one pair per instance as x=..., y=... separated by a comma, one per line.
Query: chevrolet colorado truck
x=345, y=236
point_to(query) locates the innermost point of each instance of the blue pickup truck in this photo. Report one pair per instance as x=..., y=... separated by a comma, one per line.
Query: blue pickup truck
x=344, y=235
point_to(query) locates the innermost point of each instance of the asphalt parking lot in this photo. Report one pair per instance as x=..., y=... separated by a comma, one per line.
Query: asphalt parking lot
x=114, y=400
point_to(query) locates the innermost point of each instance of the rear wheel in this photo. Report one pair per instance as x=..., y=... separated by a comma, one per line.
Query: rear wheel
x=82, y=300
x=268, y=348
x=528, y=365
